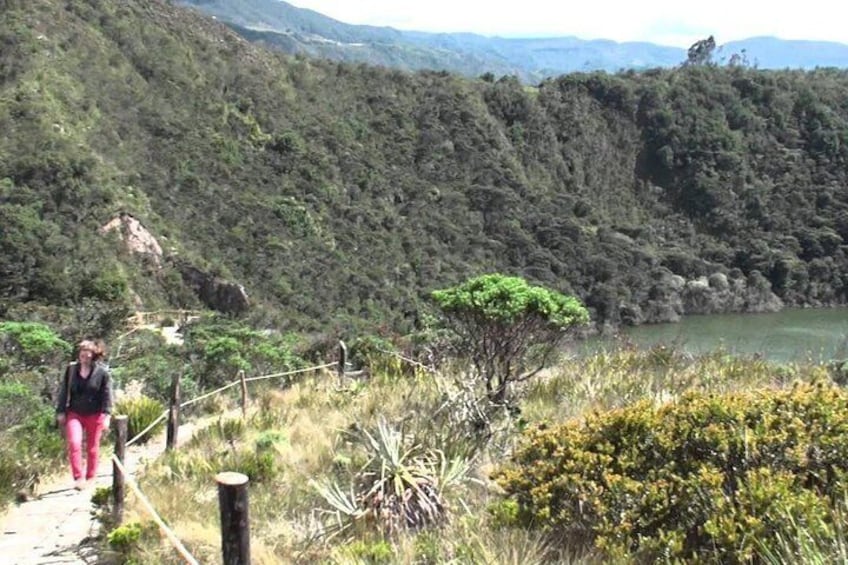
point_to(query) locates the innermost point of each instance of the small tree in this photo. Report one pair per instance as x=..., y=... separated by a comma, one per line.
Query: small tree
x=701, y=52
x=500, y=319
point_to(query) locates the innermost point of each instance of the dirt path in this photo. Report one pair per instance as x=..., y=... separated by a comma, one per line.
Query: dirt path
x=59, y=527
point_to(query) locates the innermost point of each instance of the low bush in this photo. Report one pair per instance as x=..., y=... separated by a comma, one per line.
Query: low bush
x=141, y=411
x=33, y=343
x=28, y=451
x=127, y=538
x=17, y=403
x=258, y=466
x=707, y=475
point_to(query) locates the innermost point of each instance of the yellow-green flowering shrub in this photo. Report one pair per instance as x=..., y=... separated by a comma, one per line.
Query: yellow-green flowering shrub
x=702, y=478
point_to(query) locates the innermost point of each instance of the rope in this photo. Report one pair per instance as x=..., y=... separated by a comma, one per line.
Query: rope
x=175, y=541
x=251, y=379
x=238, y=382
x=406, y=359
x=144, y=501
x=208, y=394
x=222, y=389
x=148, y=428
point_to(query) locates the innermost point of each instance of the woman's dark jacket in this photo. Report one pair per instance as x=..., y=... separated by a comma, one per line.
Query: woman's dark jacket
x=87, y=396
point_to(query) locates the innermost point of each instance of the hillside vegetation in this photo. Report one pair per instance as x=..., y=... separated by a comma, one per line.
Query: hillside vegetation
x=341, y=194
x=623, y=457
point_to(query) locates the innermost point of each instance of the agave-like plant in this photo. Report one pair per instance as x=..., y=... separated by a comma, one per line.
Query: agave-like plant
x=400, y=487
x=402, y=491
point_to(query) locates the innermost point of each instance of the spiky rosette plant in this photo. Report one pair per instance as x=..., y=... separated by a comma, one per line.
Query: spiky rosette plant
x=402, y=490
x=400, y=487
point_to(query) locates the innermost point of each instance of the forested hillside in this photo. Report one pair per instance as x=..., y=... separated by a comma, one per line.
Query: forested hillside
x=341, y=194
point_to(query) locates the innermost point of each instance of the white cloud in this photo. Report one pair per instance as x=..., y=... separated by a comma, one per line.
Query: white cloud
x=670, y=22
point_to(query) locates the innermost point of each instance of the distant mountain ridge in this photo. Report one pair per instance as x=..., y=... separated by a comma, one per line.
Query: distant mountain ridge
x=298, y=30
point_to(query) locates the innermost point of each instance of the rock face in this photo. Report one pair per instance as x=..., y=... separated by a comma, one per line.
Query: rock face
x=135, y=236
x=214, y=292
x=718, y=293
x=671, y=296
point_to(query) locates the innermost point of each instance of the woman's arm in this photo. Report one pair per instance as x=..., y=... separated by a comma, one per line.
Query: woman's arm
x=62, y=401
x=106, y=399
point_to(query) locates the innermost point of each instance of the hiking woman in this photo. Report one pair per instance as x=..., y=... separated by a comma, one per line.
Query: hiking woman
x=83, y=409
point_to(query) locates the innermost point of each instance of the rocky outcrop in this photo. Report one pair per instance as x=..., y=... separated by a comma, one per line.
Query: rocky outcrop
x=216, y=293
x=671, y=296
x=137, y=239
x=721, y=293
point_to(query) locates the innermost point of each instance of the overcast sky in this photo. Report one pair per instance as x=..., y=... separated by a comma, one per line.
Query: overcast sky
x=668, y=22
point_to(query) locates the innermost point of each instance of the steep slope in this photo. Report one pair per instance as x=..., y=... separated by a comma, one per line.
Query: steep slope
x=339, y=193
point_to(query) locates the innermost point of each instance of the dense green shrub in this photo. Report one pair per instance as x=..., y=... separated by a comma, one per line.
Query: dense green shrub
x=17, y=403
x=127, y=538
x=369, y=350
x=372, y=552
x=38, y=437
x=146, y=360
x=28, y=450
x=257, y=465
x=34, y=343
x=222, y=348
x=707, y=474
x=141, y=411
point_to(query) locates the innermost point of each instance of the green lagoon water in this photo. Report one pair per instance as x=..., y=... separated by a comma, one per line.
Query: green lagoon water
x=792, y=335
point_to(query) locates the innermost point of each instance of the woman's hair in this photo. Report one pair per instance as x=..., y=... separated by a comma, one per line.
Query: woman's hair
x=97, y=348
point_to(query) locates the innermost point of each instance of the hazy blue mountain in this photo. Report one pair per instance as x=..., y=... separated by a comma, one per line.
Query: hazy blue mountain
x=775, y=53
x=297, y=30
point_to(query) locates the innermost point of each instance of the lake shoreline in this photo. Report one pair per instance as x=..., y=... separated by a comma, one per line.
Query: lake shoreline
x=790, y=334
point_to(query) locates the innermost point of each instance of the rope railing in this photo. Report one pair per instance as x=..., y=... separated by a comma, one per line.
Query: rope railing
x=408, y=360
x=140, y=434
x=125, y=476
x=208, y=394
x=234, y=517
x=289, y=373
x=172, y=537
x=204, y=396
x=122, y=475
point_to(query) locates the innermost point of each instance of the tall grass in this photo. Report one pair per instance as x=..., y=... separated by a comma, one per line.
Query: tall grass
x=312, y=434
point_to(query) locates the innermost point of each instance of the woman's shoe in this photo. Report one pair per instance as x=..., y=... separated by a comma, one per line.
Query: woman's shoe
x=80, y=484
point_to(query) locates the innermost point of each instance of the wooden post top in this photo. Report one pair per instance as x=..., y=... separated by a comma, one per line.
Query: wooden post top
x=230, y=478
x=120, y=417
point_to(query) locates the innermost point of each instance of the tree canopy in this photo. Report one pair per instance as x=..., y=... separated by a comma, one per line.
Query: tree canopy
x=499, y=319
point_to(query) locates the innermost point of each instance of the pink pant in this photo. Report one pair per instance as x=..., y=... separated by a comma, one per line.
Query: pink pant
x=75, y=425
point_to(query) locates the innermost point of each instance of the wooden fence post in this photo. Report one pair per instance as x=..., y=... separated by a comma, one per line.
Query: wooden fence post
x=243, y=395
x=173, y=414
x=235, y=523
x=121, y=425
x=342, y=360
